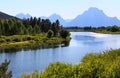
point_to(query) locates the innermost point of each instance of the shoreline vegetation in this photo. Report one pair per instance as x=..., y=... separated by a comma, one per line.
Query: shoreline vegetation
x=93, y=65
x=23, y=42
x=31, y=33
x=104, y=30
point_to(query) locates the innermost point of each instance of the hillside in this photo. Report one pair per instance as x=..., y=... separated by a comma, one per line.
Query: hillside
x=5, y=16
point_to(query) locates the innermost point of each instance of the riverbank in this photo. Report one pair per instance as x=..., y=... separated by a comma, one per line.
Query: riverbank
x=18, y=42
x=94, y=65
x=96, y=31
x=107, y=32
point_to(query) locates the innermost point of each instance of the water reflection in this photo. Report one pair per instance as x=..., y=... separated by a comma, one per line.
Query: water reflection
x=84, y=38
x=35, y=47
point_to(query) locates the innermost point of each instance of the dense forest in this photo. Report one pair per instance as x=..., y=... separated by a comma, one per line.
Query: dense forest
x=28, y=26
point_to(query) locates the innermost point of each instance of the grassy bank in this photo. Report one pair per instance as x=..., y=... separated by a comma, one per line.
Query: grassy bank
x=75, y=30
x=18, y=42
x=94, y=65
x=96, y=31
x=105, y=30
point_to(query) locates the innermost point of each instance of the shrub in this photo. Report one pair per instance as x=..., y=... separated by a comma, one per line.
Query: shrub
x=3, y=70
x=29, y=38
x=50, y=34
x=8, y=40
x=17, y=39
x=58, y=70
x=64, y=33
x=2, y=40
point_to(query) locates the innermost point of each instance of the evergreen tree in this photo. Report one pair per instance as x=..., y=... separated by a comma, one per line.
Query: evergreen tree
x=54, y=29
x=30, y=30
x=7, y=28
x=36, y=29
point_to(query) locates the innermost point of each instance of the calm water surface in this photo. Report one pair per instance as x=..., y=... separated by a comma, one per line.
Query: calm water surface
x=81, y=44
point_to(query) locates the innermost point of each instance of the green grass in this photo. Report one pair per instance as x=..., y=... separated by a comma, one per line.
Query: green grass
x=94, y=65
x=18, y=42
x=75, y=30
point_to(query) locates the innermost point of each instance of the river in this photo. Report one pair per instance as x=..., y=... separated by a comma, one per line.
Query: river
x=80, y=44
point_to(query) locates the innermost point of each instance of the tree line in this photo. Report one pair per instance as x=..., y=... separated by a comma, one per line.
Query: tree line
x=113, y=28
x=29, y=26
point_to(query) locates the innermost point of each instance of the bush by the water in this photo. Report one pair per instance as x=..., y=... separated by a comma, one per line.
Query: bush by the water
x=3, y=70
x=93, y=65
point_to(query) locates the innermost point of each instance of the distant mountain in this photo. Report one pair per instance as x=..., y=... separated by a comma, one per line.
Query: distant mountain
x=94, y=17
x=43, y=17
x=5, y=16
x=55, y=17
x=52, y=18
x=23, y=16
x=68, y=20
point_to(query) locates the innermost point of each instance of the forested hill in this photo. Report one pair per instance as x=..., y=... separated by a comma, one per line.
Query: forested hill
x=5, y=16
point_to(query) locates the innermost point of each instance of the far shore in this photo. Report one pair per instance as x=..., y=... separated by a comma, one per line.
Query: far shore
x=17, y=42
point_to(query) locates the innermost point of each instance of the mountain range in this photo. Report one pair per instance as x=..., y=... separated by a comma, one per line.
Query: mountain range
x=23, y=16
x=91, y=17
x=94, y=17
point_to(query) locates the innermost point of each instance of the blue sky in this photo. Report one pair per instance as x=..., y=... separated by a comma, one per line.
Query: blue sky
x=66, y=8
